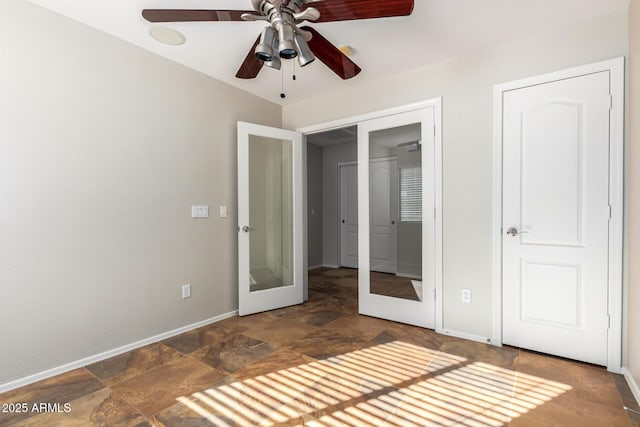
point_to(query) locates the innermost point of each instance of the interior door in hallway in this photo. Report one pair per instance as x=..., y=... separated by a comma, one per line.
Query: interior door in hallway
x=349, y=215
x=556, y=217
x=383, y=199
x=384, y=214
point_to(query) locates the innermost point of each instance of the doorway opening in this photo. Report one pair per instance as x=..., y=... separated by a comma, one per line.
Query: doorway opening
x=396, y=194
x=373, y=204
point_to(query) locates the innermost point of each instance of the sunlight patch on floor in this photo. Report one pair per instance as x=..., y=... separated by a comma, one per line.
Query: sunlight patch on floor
x=394, y=384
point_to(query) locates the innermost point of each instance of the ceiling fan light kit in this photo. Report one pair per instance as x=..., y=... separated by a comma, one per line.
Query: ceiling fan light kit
x=275, y=62
x=286, y=46
x=305, y=56
x=284, y=38
x=264, y=50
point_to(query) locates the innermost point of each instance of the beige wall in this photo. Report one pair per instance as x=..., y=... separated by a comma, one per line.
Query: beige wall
x=466, y=86
x=103, y=148
x=633, y=197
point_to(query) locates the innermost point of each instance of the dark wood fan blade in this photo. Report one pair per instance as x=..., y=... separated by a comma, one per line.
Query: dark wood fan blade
x=331, y=56
x=184, y=15
x=251, y=65
x=346, y=10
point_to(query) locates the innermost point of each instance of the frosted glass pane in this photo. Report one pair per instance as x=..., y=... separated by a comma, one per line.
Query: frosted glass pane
x=270, y=213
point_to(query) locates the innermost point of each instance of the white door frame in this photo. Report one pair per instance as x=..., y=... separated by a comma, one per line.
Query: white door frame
x=616, y=179
x=436, y=104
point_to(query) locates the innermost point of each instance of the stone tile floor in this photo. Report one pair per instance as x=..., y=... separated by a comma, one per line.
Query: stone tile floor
x=321, y=364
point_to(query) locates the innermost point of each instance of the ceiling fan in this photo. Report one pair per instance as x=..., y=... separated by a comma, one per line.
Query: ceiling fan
x=283, y=37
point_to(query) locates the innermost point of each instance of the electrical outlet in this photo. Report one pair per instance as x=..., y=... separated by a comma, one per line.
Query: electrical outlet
x=465, y=294
x=186, y=291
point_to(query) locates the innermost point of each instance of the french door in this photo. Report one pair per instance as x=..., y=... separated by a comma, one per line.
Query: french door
x=270, y=218
x=406, y=294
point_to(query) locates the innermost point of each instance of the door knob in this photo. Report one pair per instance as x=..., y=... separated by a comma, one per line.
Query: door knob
x=247, y=229
x=514, y=232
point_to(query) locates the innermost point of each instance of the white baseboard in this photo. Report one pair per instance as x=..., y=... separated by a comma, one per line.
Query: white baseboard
x=409, y=276
x=464, y=335
x=633, y=385
x=322, y=266
x=21, y=382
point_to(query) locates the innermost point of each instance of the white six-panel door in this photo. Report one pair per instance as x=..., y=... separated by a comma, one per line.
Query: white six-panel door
x=556, y=217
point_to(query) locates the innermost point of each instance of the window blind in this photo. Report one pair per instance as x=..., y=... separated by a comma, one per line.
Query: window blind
x=411, y=194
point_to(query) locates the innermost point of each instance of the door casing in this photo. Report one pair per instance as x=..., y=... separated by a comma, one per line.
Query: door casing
x=616, y=178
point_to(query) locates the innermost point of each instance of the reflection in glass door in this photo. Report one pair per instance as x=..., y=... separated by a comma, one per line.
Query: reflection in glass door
x=396, y=241
x=395, y=194
x=269, y=218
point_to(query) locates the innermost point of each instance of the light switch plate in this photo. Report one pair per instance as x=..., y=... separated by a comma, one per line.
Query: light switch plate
x=223, y=211
x=186, y=291
x=199, y=211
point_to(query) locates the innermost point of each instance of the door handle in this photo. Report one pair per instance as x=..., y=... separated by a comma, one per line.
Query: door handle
x=513, y=232
x=247, y=229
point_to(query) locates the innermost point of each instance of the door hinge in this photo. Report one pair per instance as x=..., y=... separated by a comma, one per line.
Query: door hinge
x=610, y=102
x=610, y=213
x=434, y=295
x=608, y=321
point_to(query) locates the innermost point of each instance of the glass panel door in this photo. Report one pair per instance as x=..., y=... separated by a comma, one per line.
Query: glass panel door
x=396, y=239
x=269, y=218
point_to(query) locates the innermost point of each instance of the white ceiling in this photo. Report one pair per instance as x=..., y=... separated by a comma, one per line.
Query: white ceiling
x=436, y=31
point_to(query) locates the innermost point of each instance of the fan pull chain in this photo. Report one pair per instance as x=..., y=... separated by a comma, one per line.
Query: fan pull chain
x=282, y=94
x=294, y=70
